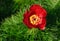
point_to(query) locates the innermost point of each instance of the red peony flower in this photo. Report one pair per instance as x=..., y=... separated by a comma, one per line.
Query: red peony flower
x=35, y=17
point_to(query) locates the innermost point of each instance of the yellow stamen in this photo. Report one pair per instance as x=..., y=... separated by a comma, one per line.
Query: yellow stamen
x=34, y=19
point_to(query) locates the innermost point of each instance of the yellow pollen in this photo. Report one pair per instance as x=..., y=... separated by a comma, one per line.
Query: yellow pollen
x=34, y=19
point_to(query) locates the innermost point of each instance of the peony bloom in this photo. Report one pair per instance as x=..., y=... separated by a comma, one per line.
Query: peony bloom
x=35, y=17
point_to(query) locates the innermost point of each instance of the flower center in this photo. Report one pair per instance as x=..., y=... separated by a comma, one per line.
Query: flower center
x=34, y=19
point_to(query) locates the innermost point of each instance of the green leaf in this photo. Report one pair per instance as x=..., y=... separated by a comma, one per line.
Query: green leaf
x=49, y=4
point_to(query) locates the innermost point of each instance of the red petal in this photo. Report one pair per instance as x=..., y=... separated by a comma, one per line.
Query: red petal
x=26, y=19
x=38, y=10
x=42, y=26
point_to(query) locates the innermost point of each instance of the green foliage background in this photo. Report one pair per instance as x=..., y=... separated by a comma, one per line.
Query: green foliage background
x=13, y=29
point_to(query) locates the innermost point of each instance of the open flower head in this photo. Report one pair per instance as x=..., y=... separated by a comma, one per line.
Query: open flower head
x=35, y=17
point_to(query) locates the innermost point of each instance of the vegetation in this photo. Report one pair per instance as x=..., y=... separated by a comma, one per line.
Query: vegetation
x=13, y=28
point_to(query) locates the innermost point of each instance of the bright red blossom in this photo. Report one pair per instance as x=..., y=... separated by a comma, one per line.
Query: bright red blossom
x=35, y=17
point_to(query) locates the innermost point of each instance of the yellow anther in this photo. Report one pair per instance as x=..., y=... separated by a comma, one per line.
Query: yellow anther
x=34, y=19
